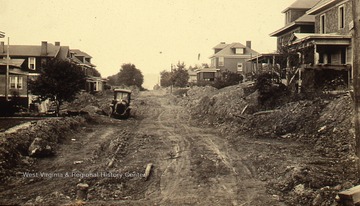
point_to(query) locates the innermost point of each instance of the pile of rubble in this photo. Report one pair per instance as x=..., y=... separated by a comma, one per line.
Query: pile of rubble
x=319, y=130
x=38, y=139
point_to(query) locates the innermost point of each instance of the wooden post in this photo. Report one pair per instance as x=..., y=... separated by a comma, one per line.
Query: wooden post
x=7, y=71
x=356, y=72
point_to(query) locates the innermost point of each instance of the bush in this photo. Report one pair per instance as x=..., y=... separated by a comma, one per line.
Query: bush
x=227, y=78
x=270, y=94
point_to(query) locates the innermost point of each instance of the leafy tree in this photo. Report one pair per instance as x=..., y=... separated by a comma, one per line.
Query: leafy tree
x=59, y=81
x=165, y=78
x=180, y=77
x=129, y=75
x=113, y=80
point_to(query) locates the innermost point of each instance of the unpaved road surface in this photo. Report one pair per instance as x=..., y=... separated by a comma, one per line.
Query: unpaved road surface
x=191, y=165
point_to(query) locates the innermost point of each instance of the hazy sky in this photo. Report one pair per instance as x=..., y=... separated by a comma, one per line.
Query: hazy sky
x=152, y=34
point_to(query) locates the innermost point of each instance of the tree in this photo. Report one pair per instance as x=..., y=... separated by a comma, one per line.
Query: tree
x=113, y=80
x=129, y=75
x=165, y=78
x=180, y=76
x=59, y=81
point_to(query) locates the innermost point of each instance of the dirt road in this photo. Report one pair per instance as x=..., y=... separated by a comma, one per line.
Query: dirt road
x=191, y=165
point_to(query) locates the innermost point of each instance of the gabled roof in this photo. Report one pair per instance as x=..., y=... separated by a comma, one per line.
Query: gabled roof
x=78, y=61
x=306, y=19
x=227, y=51
x=79, y=53
x=301, y=4
x=31, y=51
x=322, y=5
x=221, y=45
x=64, y=53
x=237, y=45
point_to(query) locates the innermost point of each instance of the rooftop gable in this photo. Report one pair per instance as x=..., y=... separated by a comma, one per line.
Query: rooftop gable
x=80, y=53
x=306, y=19
x=228, y=50
x=221, y=45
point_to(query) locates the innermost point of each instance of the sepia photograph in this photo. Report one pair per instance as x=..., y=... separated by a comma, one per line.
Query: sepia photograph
x=179, y=102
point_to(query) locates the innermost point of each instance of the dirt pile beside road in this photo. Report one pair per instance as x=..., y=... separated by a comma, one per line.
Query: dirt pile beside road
x=14, y=147
x=305, y=147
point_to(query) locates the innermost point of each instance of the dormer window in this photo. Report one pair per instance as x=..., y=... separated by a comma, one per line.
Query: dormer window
x=32, y=63
x=239, y=51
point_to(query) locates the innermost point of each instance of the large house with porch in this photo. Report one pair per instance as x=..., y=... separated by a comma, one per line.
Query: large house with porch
x=323, y=57
x=26, y=61
x=94, y=82
x=228, y=57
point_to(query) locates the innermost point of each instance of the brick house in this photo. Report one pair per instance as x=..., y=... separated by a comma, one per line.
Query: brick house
x=320, y=58
x=326, y=55
x=228, y=57
x=25, y=63
x=94, y=82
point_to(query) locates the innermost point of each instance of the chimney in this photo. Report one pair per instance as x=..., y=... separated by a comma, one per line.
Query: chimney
x=2, y=47
x=248, y=44
x=57, y=43
x=44, y=48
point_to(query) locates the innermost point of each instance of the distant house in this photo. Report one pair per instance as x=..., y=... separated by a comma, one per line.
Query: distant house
x=94, y=82
x=325, y=56
x=25, y=63
x=228, y=57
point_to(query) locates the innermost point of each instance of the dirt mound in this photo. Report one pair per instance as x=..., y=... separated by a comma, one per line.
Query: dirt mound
x=319, y=159
x=14, y=147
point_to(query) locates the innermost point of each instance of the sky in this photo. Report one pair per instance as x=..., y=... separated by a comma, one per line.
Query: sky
x=151, y=34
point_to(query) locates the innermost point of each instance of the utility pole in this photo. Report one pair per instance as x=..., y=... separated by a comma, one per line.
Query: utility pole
x=7, y=71
x=356, y=73
x=172, y=80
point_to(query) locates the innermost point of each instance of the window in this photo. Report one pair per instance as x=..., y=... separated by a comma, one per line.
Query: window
x=221, y=61
x=341, y=17
x=213, y=62
x=32, y=63
x=239, y=50
x=239, y=67
x=322, y=24
x=16, y=82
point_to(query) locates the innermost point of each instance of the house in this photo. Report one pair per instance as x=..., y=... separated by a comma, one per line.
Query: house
x=296, y=21
x=323, y=58
x=326, y=56
x=94, y=82
x=228, y=57
x=25, y=63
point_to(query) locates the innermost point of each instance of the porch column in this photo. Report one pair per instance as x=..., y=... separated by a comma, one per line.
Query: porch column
x=287, y=71
x=316, y=55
